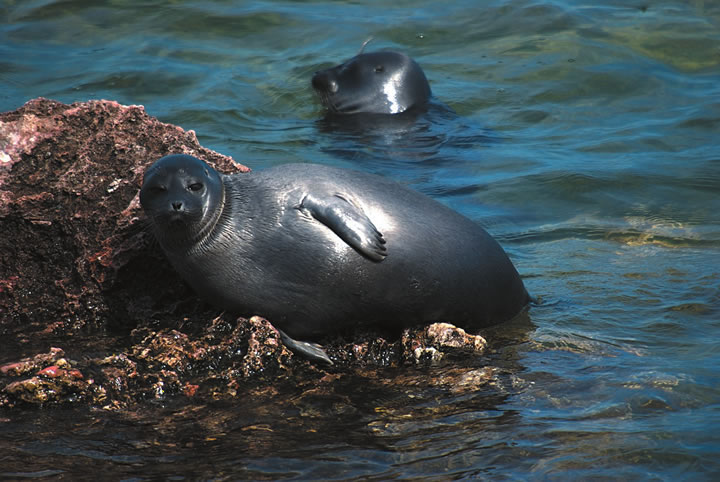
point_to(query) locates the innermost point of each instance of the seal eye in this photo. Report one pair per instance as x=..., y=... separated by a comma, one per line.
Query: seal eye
x=158, y=189
x=195, y=187
x=379, y=68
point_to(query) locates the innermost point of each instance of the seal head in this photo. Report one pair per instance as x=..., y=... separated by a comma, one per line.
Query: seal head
x=383, y=82
x=183, y=197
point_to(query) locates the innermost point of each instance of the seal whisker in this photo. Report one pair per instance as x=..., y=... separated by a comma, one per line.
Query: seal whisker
x=364, y=44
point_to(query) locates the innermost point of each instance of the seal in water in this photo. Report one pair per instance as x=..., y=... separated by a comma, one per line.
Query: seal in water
x=319, y=250
x=384, y=82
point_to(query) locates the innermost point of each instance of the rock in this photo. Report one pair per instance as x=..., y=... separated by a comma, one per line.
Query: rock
x=69, y=181
x=55, y=381
x=28, y=365
x=433, y=342
x=79, y=271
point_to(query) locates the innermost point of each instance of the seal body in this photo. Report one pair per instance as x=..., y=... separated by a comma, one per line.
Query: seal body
x=384, y=82
x=319, y=250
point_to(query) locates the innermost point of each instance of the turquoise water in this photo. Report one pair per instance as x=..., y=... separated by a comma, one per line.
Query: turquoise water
x=586, y=142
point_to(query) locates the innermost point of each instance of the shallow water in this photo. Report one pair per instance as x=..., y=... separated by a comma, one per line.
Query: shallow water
x=585, y=141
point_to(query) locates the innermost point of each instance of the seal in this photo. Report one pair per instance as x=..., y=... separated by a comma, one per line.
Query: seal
x=384, y=82
x=319, y=250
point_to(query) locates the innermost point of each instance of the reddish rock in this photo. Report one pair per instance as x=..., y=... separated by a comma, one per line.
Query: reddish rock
x=55, y=381
x=32, y=364
x=69, y=181
x=58, y=389
x=190, y=390
x=52, y=372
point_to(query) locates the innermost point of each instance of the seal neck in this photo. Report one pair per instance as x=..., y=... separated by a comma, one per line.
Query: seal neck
x=200, y=240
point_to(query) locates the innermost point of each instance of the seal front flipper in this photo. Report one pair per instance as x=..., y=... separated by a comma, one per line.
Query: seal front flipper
x=311, y=350
x=350, y=223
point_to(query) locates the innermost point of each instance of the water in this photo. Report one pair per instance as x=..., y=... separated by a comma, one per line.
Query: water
x=585, y=142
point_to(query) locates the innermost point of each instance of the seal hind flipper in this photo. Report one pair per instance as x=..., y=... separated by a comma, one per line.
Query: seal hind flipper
x=350, y=223
x=311, y=350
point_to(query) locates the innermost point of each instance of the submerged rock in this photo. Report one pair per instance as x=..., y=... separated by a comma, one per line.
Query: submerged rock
x=55, y=379
x=80, y=272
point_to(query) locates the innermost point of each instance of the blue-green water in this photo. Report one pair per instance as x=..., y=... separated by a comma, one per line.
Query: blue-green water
x=587, y=142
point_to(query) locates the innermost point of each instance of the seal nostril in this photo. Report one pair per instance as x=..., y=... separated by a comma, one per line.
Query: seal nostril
x=177, y=205
x=319, y=81
x=324, y=82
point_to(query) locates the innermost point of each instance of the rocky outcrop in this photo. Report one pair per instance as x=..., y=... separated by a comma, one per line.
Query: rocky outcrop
x=73, y=247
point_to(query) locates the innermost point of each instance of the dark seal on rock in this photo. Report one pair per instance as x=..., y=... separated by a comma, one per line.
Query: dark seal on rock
x=384, y=82
x=319, y=250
